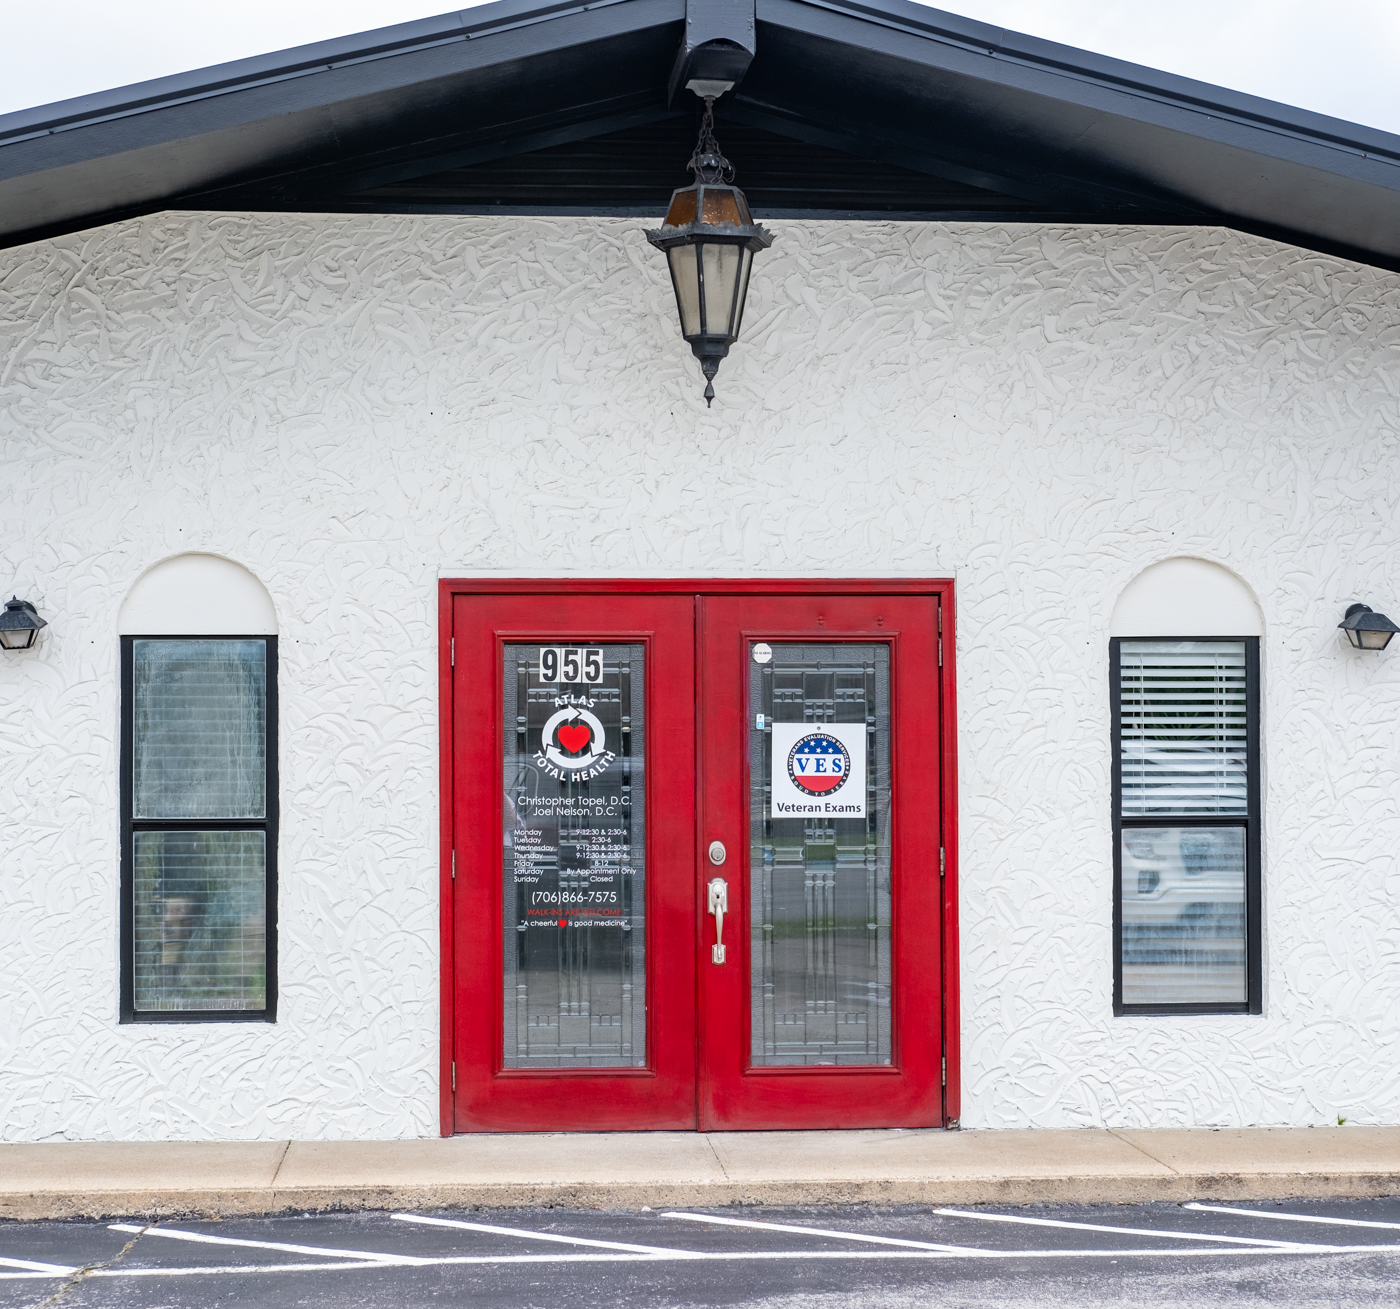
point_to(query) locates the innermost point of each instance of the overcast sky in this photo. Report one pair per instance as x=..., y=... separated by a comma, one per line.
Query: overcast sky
x=1335, y=56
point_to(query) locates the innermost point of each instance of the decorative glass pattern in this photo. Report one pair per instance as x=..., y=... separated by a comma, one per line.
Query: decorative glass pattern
x=200, y=920
x=574, y=856
x=820, y=886
x=200, y=729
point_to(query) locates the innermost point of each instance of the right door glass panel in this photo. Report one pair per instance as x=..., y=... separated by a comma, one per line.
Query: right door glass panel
x=819, y=770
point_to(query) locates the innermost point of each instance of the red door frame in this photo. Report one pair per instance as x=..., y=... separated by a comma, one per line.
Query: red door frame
x=941, y=588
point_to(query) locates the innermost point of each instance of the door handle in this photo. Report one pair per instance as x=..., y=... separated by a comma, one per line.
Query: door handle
x=719, y=906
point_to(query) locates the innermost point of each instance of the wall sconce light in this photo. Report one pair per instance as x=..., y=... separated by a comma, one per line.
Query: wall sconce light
x=1366, y=629
x=709, y=238
x=19, y=625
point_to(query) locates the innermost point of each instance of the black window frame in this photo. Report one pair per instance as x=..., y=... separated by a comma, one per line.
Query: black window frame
x=1250, y=822
x=131, y=825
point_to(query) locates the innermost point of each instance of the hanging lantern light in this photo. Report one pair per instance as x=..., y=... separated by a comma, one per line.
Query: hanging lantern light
x=710, y=238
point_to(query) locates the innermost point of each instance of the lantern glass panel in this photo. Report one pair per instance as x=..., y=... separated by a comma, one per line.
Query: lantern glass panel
x=721, y=259
x=1372, y=639
x=682, y=209
x=685, y=274
x=17, y=638
x=720, y=206
x=746, y=256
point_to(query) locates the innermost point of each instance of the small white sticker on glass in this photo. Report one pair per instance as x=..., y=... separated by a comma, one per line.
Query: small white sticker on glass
x=762, y=652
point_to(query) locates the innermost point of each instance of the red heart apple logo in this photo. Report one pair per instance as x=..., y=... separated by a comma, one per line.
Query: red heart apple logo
x=574, y=736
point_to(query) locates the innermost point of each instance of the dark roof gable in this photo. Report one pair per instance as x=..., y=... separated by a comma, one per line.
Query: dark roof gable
x=850, y=108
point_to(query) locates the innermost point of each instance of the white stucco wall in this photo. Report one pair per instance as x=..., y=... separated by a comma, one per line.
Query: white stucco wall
x=352, y=406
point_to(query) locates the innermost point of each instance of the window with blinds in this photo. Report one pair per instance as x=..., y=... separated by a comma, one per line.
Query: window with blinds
x=1185, y=716
x=199, y=810
x=1184, y=727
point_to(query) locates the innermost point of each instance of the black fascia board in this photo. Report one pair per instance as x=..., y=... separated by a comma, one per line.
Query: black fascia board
x=1034, y=52
x=1072, y=132
x=1173, y=142
x=140, y=149
x=281, y=65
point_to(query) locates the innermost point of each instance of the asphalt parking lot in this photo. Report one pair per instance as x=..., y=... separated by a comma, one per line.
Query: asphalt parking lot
x=1303, y=1253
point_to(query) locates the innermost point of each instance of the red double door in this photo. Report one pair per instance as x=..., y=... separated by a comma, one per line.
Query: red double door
x=695, y=846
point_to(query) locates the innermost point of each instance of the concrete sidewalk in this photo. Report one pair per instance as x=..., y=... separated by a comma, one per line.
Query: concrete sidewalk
x=620, y=1169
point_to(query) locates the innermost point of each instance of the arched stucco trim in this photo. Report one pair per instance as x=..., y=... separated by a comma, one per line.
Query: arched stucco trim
x=197, y=595
x=1186, y=597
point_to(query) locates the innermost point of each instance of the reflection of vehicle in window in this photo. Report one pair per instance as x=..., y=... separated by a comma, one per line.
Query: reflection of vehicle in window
x=1185, y=714
x=1184, y=881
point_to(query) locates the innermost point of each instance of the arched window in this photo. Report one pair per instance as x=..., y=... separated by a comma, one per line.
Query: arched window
x=198, y=794
x=1184, y=670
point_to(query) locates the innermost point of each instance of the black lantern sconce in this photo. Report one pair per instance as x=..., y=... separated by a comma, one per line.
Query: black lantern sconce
x=19, y=624
x=1366, y=629
x=710, y=239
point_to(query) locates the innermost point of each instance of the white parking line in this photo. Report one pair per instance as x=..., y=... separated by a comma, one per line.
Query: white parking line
x=31, y=1266
x=540, y=1236
x=1131, y=1231
x=822, y=1231
x=338, y=1259
x=1293, y=1218
x=755, y=1256
x=203, y=1238
x=715, y=1257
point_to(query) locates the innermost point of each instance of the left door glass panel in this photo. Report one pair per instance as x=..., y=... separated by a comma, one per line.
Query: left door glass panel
x=574, y=856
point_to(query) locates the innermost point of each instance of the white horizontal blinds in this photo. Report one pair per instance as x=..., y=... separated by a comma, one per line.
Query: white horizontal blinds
x=1183, y=736
x=200, y=729
x=200, y=919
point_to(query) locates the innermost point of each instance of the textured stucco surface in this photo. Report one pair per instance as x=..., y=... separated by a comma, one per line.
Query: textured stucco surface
x=351, y=406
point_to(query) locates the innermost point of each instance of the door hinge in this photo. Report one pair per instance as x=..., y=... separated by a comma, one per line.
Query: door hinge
x=942, y=861
x=452, y=652
x=940, y=652
x=945, y=1072
x=454, y=1074
x=454, y=865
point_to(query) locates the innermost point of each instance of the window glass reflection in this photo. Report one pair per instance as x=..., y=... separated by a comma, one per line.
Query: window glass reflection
x=200, y=729
x=1183, y=903
x=200, y=921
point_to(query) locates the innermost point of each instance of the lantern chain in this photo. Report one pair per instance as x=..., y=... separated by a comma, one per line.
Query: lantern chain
x=708, y=162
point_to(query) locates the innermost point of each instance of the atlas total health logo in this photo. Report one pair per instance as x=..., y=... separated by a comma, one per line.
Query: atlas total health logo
x=573, y=743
